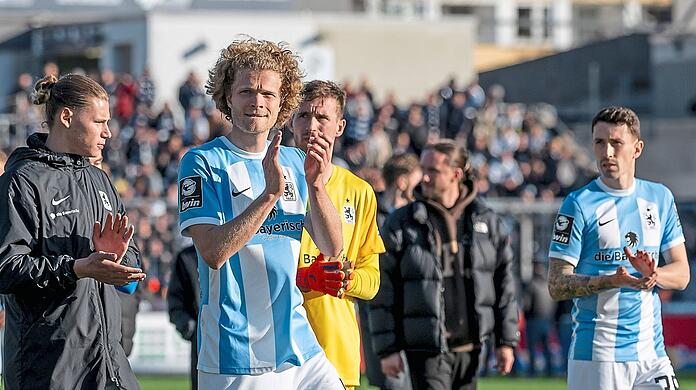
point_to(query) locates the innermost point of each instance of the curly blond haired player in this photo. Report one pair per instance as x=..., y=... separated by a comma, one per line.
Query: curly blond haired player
x=245, y=200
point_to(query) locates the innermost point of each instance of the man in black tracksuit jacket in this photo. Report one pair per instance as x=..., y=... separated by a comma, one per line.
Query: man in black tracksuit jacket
x=62, y=332
x=183, y=301
x=447, y=281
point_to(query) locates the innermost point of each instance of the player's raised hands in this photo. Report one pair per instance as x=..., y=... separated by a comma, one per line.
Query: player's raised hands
x=623, y=278
x=103, y=267
x=641, y=261
x=318, y=157
x=272, y=171
x=114, y=236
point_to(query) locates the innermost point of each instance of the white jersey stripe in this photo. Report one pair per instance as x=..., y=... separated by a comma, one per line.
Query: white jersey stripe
x=605, y=328
x=650, y=222
x=258, y=307
x=608, y=225
x=209, y=351
x=198, y=221
x=240, y=185
x=295, y=246
x=558, y=255
x=291, y=201
x=672, y=244
x=646, y=335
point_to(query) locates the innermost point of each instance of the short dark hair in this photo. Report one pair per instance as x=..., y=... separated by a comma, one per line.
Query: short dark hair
x=316, y=89
x=617, y=115
x=398, y=165
x=73, y=91
x=457, y=156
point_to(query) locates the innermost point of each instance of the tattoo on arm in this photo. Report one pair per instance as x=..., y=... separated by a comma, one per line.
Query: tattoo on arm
x=565, y=284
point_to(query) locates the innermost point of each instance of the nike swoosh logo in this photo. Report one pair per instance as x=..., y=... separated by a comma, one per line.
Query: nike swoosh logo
x=235, y=194
x=59, y=201
x=605, y=222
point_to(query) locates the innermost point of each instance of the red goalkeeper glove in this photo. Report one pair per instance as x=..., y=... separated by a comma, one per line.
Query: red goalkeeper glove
x=326, y=276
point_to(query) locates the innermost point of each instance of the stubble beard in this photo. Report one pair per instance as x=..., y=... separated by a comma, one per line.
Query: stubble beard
x=247, y=126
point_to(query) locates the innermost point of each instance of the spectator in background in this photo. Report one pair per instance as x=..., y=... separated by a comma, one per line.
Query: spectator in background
x=51, y=69
x=416, y=129
x=164, y=121
x=434, y=112
x=183, y=301
x=539, y=309
x=126, y=94
x=110, y=84
x=197, y=130
x=146, y=89
x=459, y=123
x=377, y=147
x=191, y=93
x=359, y=115
x=563, y=319
x=20, y=98
x=402, y=173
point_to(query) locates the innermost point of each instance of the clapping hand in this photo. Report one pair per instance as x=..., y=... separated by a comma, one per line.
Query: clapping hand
x=272, y=171
x=318, y=158
x=114, y=237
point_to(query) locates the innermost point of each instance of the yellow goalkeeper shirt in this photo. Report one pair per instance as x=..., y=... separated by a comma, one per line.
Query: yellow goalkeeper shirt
x=334, y=320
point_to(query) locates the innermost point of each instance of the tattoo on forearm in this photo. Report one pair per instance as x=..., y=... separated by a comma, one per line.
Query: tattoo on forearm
x=564, y=284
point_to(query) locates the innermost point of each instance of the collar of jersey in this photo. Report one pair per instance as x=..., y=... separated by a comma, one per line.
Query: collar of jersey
x=243, y=153
x=615, y=192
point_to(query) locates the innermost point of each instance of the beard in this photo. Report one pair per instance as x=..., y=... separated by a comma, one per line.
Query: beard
x=249, y=125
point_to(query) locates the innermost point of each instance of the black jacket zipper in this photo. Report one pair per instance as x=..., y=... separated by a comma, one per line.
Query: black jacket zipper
x=105, y=341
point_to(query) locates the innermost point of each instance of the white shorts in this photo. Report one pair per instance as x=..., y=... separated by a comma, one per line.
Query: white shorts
x=655, y=374
x=315, y=373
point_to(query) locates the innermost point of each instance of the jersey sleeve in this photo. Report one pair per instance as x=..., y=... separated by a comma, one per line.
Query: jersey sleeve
x=566, y=241
x=673, y=234
x=198, y=200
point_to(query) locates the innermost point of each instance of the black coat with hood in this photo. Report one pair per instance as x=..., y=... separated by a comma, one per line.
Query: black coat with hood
x=409, y=312
x=61, y=332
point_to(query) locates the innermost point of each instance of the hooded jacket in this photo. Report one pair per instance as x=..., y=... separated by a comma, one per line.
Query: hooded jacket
x=61, y=332
x=409, y=312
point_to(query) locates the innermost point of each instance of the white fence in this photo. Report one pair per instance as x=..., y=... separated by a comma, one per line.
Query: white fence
x=157, y=347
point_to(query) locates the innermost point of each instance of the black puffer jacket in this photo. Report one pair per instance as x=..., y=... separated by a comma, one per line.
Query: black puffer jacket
x=408, y=312
x=61, y=332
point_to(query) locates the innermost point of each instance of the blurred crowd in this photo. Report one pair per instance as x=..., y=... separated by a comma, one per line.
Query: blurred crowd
x=516, y=150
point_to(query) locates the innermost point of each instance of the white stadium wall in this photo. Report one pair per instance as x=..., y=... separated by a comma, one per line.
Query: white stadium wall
x=170, y=35
x=409, y=58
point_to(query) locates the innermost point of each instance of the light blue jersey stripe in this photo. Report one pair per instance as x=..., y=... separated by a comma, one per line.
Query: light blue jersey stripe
x=233, y=317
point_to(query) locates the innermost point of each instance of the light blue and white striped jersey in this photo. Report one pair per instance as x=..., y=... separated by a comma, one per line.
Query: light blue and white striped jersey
x=251, y=318
x=592, y=228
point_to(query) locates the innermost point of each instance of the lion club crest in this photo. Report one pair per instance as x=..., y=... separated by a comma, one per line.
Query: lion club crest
x=631, y=239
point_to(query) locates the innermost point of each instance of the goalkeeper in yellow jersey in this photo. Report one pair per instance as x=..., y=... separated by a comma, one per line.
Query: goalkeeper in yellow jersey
x=331, y=284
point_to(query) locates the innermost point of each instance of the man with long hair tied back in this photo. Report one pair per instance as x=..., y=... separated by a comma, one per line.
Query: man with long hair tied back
x=64, y=243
